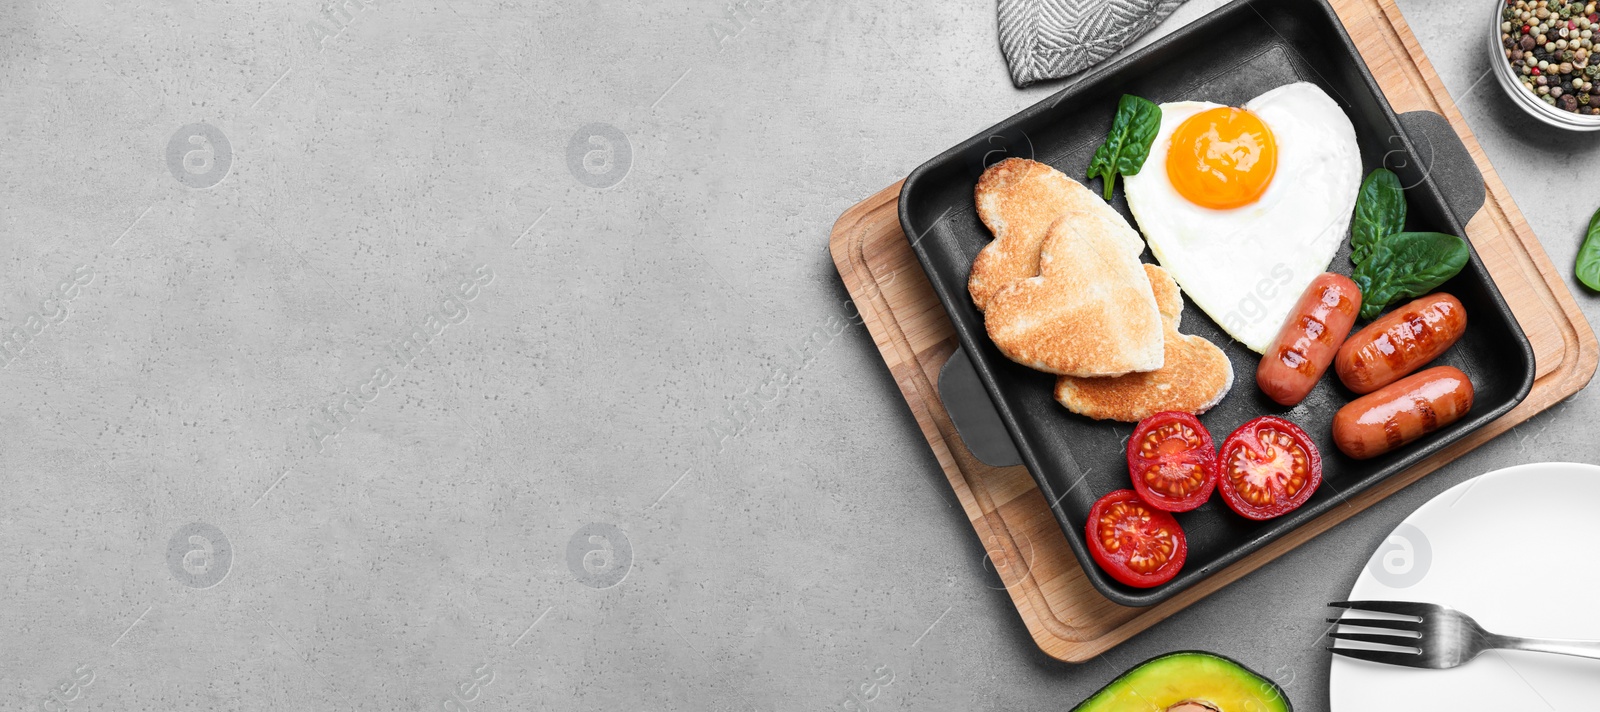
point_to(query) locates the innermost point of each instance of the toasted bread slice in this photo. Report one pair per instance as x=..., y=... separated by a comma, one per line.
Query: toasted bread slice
x=1090, y=312
x=1017, y=200
x=1195, y=376
x=1169, y=298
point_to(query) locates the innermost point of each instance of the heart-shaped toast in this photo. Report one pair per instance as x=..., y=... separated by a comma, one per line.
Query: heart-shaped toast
x=1018, y=199
x=1194, y=375
x=1089, y=313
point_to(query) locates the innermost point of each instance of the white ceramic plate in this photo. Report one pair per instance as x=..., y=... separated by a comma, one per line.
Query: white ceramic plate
x=1516, y=550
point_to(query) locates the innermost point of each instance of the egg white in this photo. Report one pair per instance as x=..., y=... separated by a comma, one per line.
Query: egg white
x=1246, y=267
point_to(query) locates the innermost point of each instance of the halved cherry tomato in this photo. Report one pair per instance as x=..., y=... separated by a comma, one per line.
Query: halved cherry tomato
x=1136, y=543
x=1172, y=461
x=1268, y=468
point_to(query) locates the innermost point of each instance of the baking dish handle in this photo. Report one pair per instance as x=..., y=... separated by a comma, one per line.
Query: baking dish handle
x=973, y=413
x=1443, y=157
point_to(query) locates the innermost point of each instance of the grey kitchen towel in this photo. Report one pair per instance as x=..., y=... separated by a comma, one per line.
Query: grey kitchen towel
x=1049, y=39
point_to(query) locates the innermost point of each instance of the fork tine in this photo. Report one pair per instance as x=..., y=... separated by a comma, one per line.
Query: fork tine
x=1381, y=656
x=1404, y=608
x=1386, y=623
x=1399, y=641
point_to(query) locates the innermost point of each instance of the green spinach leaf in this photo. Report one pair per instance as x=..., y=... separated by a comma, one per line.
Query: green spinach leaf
x=1588, y=269
x=1380, y=212
x=1128, y=145
x=1407, y=264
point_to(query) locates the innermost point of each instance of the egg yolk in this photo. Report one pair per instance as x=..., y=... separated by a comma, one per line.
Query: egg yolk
x=1222, y=158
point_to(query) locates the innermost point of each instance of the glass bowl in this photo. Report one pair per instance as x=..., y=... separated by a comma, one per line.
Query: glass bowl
x=1528, y=101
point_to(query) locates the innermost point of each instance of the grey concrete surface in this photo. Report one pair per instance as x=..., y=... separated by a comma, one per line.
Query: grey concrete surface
x=388, y=387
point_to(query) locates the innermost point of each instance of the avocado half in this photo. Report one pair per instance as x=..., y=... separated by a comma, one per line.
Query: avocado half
x=1188, y=681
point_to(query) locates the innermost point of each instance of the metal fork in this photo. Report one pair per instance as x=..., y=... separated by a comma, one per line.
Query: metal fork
x=1438, y=636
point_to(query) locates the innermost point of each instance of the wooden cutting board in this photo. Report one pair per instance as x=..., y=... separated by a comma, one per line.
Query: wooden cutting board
x=1068, y=618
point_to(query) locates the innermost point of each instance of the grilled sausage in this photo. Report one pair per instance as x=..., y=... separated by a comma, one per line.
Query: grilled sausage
x=1402, y=412
x=1309, y=338
x=1400, y=342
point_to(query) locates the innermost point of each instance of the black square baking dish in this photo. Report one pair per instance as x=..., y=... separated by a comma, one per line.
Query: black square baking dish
x=1233, y=54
